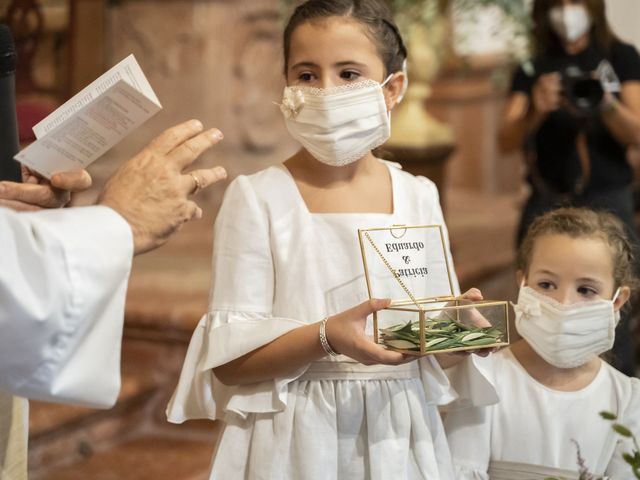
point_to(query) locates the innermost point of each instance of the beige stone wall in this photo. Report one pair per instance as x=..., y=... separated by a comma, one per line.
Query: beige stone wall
x=469, y=96
x=218, y=61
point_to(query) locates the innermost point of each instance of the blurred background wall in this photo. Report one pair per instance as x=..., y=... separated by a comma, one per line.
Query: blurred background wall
x=220, y=61
x=623, y=15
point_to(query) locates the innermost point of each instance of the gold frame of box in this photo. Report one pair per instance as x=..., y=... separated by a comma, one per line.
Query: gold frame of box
x=421, y=305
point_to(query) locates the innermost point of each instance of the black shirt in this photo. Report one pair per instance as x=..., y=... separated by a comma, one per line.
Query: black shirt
x=554, y=143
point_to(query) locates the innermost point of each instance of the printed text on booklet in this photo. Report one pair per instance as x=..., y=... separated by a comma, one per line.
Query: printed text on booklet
x=93, y=121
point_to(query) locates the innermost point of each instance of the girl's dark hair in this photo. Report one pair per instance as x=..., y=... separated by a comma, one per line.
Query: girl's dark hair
x=584, y=223
x=374, y=15
x=545, y=40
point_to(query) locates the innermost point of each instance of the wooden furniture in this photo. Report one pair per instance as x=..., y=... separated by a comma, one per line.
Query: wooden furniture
x=87, y=43
x=26, y=21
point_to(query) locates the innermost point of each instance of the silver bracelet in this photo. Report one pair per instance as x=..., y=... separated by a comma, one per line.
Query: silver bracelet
x=323, y=339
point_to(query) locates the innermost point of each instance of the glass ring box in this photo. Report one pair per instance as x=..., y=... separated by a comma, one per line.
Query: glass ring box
x=409, y=265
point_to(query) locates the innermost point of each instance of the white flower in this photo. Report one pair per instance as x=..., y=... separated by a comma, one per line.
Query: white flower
x=528, y=310
x=292, y=102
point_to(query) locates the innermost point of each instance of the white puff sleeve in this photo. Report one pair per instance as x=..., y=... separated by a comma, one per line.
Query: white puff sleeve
x=239, y=319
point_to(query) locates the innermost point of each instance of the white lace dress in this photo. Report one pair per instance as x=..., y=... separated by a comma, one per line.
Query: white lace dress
x=277, y=267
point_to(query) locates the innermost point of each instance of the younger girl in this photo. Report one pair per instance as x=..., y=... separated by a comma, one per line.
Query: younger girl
x=287, y=272
x=576, y=271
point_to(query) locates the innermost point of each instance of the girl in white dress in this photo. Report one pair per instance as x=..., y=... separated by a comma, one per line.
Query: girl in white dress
x=287, y=272
x=576, y=271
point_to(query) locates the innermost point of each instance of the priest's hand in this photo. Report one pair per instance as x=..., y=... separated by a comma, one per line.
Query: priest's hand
x=151, y=191
x=36, y=192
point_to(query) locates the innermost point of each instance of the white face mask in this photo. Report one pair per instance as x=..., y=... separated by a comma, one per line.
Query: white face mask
x=570, y=22
x=337, y=125
x=565, y=336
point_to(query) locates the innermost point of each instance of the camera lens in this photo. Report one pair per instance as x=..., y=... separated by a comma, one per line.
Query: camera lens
x=583, y=91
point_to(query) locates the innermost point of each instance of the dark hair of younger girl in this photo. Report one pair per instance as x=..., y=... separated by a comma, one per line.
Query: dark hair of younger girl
x=374, y=15
x=584, y=223
x=545, y=40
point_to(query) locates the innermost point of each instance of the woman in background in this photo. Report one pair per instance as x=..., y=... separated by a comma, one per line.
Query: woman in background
x=576, y=149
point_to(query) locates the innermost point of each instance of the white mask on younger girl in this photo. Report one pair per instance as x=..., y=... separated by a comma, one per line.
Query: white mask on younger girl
x=570, y=22
x=337, y=125
x=566, y=336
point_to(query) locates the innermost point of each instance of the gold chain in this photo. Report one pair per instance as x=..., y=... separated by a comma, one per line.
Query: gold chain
x=393, y=272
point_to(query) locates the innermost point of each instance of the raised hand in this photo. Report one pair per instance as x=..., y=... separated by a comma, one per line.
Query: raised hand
x=151, y=191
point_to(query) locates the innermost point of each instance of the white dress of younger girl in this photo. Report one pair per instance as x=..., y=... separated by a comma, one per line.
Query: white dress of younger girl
x=277, y=267
x=528, y=434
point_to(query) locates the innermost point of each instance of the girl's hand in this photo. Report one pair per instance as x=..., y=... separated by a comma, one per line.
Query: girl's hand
x=473, y=316
x=346, y=335
x=473, y=294
x=546, y=95
x=476, y=318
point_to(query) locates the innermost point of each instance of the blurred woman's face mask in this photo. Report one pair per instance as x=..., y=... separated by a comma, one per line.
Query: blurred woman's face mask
x=337, y=125
x=570, y=22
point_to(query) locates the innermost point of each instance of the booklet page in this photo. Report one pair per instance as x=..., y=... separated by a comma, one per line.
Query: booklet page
x=88, y=133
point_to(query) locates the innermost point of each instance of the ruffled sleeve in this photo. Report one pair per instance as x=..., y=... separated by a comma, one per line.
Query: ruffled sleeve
x=239, y=319
x=467, y=473
x=437, y=387
x=467, y=420
x=469, y=435
x=473, y=380
x=219, y=338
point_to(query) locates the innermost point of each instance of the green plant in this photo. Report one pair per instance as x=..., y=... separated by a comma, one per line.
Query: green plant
x=428, y=10
x=632, y=458
x=439, y=335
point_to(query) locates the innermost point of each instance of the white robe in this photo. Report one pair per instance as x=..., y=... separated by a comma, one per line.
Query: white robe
x=277, y=267
x=63, y=280
x=533, y=424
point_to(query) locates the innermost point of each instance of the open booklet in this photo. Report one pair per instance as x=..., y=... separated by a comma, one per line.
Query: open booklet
x=92, y=121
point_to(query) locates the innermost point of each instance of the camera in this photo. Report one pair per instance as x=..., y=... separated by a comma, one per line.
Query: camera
x=583, y=91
